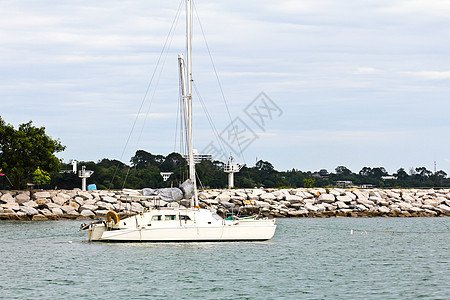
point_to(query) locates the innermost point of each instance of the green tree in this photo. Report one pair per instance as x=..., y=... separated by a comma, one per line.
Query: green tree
x=26, y=149
x=309, y=182
x=341, y=170
x=40, y=177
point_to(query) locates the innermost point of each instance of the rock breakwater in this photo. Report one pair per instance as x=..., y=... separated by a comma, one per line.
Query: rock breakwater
x=300, y=202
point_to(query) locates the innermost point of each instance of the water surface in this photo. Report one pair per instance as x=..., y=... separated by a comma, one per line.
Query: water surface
x=386, y=258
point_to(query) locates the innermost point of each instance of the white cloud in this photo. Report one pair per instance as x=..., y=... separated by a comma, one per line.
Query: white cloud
x=366, y=71
x=429, y=75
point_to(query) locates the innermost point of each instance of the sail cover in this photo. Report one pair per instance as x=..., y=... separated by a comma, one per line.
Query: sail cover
x=184, y=191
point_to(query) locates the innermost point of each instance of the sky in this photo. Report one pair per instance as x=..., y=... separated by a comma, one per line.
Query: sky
x=309, y=84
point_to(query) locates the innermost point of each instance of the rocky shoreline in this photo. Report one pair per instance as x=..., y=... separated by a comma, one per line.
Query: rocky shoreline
x=299, y=202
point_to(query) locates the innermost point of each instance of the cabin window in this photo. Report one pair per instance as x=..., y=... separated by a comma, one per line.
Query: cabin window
x=184, y=218
x=156, y=218
x=170, y=218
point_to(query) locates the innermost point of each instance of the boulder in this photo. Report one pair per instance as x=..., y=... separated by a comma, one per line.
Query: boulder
x=28, y=210
x=341, y=204
x=75, y=205
x=105, y=205
x=262, y=204
x=109, y=199
x=293, y=199
x=258, y=192
x=7, y=198
x=59, y=200
x=30, y=203
x=22, y=198
x=45, y=212
x=87, y=213
x=384, y=210
x=137, y=207
x=407, y=198
x=79, y=200
x=444, y=208
x=57, y=211
x=85, y=196
x=361, y=195
x=42, y=202
x=267, y=196
x=67, y=209
x=311, y=207
x=345, y=198
x=204, y=195
x=90, y=207
x=366, y=202
x=12, y=206
x=404, y=206
x=39, y=218
x=40, y=195
x=223, y=197
x=327, y=198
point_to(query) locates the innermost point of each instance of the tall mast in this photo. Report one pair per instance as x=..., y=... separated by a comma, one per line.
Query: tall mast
x=189, y=98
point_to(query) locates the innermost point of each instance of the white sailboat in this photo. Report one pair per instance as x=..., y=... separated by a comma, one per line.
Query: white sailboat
x=191, y=224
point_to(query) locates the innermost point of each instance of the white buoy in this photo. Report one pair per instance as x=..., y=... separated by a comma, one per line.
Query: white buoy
x=351, y=231
x=70, y=242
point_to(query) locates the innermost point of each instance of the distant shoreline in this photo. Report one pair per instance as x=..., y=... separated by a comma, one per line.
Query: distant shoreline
x=279, y=203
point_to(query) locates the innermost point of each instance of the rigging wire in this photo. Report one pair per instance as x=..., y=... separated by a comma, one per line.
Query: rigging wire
x=163, y=50
x=210, y=120
x=220, y=87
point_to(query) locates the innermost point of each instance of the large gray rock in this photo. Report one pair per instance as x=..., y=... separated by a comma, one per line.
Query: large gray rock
x=109, y=199
x=57, y=211
x=87, y=213
x=67, y=209
x=444, y=208
x=327, y=198
x=30, y=203
x=88, y=207
x=79, y=200
x=22, y=198
x=346, y=198
x=204, y=195
x=40, y=195
x=262, y=204
x=39, y=217
x=11, y=205
x=404, y=206
x=45, y=212
x=293, y=199
x=267, y=196
x=7, y=198
x=361, y=195
x=384, y=209
x=366, y=202
x=59, y=200
x=407, y=198
x=105, y=205
x=85, y=196
x=137, y=207
x=30, y=211
x=223, y=197
x=341, y=204
x=311, y=207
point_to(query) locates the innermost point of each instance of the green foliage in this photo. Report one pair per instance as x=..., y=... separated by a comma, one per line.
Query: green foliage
x=26, y=149
x=40, y=177
x=309, y=182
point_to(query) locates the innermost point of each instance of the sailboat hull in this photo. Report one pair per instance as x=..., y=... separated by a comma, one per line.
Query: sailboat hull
x=145, y=229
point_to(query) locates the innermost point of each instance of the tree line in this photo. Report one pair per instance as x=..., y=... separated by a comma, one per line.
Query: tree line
x=27, y=155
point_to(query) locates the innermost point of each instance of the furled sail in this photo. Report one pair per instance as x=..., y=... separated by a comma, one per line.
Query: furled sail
x=184, y=191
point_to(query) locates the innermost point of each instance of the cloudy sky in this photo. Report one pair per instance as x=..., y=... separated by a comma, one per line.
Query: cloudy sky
x=353, y=83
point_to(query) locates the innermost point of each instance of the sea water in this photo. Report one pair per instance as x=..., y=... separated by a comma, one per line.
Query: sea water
x=335, y=258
